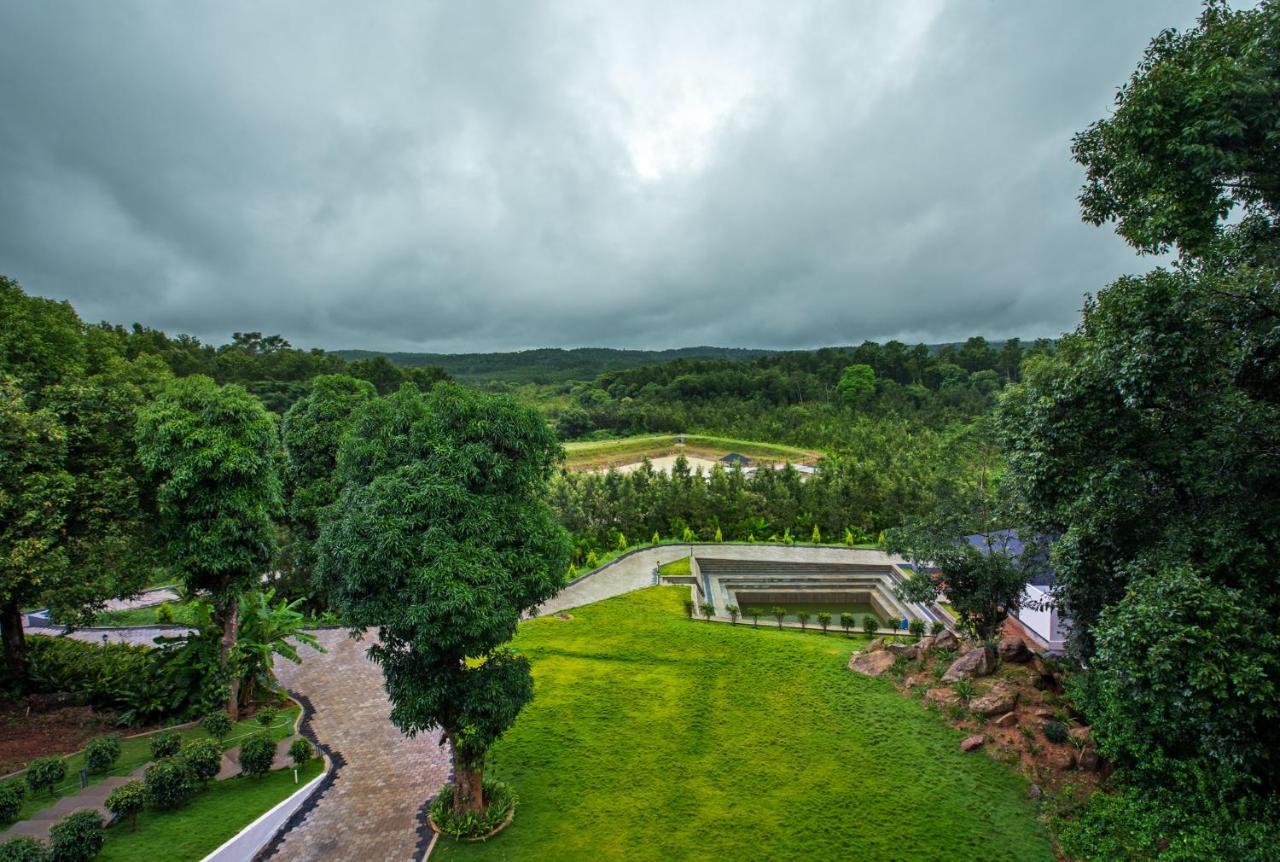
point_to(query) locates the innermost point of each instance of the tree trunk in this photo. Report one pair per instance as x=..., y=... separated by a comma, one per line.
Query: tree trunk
x=230, y=614
x=468, y=783
x=15, y=641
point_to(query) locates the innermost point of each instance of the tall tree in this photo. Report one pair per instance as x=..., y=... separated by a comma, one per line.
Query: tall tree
x=441, y=539
x=211, y=450
x=34, y=489
x=311, y=432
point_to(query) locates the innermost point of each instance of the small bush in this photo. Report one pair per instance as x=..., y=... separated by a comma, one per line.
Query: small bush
x=11, y=796
x=164, y=614
x=256, y=755
x=778, y=614
x=847, y=621
x=1055, y=731
x=266, y=716
x=732, y=611
x=824, y=620
x=203, y=758
x=803, y=617
x=708, y=610
x=300, y=751
x=501, y=800
x=217, y=725
x=892, y=623
x=964, y=688
x=126, y=801
x=102, y=753
x=77, y=837
x=165, y=744
x=690, y=607
x=937, y=627
x=23, y=849
x=169, y=783
x=44, y=773
x=917, y=628
x=870, y=624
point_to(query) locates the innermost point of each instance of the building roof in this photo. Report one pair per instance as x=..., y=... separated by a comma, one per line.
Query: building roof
x=1008, y=542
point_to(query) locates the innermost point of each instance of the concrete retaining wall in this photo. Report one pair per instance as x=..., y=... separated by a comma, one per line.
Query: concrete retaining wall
x=245, y=845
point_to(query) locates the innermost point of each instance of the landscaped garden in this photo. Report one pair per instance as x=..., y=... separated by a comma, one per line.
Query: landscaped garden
x=655, y=737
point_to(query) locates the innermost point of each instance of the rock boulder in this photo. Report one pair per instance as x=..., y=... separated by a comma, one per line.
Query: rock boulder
x=1014, y=649
x=907, y=650
x=977, y=662
x=871, y=663
x=997, y=700
x=972, y=743
x=946, y=639
x=941, y=697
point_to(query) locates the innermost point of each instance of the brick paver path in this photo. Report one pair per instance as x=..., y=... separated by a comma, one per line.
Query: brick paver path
x=371, y=811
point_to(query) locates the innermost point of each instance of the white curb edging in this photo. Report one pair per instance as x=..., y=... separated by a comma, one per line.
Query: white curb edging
x=245, y=844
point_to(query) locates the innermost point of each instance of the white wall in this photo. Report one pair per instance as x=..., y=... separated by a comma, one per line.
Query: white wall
x=1031, y=615
x=245, y=844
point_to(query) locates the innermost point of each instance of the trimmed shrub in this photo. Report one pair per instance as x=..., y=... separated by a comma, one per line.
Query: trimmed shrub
x=778, y=614
x=217, y=725
x=102, y=753
x=11, y=796
x=937, y=627
x=917, y=628
x=169, y=783
x=690, y=607
x=164, y=614
x=77, y=837
x=870, y=624
x=23, y=849
x=707, y=610
x=1055, y=731
x=256, y=755
x=203, y=758
x=266, y=716
x=732, y=611
x=44, y=773
x=824, y=620
x=126, y=801
x=165, y=744
x=803, y=617
x=300, y=751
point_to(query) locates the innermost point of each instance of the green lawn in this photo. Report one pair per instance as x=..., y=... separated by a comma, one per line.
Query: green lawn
x=214, y=815
x=678, y=568
x=137, y=751
x=652, y=737
x=183, y=615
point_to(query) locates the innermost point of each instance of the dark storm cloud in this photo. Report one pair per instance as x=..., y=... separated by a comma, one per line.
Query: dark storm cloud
x=467, y=176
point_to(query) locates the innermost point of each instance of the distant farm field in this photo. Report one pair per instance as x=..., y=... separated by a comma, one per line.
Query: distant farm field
x=603, y=454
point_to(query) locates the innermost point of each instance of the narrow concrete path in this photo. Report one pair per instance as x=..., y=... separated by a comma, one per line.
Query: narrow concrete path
x=371, y=811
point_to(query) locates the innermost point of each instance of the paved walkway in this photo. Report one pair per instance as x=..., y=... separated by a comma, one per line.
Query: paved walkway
x=371, y=811
x=92, y=798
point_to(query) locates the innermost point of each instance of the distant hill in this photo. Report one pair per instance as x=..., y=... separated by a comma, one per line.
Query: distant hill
x=550, y=364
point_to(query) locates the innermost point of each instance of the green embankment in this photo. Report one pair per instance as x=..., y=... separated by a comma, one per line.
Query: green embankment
x=653, y=737
x=213, y=816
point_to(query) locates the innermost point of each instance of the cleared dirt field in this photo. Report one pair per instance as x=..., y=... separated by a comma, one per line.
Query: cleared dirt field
x=700, y=450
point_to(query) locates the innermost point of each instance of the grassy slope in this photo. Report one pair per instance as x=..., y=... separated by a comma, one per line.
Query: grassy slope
x=137, y=751
x=214, y=815
x=652, y=737
x=598, y=454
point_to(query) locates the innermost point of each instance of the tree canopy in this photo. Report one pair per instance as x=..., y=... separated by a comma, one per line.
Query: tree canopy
x=441, y=539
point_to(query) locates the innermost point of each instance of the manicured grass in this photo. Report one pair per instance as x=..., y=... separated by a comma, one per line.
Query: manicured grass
x=599, y=454
x=652, y=737
x=676, y=568
x=183, y=615
x=214, y=815
x=136, y=751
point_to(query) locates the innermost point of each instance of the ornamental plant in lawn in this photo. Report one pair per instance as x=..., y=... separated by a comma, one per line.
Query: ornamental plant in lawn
x=203, y=758
x=101, y=753
x=217, y=725
x=300, y=752
x=870, y=624
x=442, y=538
x=44, y=773
x=256, y=755
x=78, y=837
x=23, y=849
x=169, y=783
x=165, y=744
x=11, y=796
x=126, y=801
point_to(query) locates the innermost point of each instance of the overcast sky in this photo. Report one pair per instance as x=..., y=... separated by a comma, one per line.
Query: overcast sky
x=463, y=176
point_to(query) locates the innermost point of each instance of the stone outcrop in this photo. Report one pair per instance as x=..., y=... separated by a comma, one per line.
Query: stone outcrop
x=1014, y=649
x=876, y=645
x=972, y=743
x=906, y=650
x=871, y=663
x=925, y=644
x=1089, y=760
x=997, y=700
x=976, y=662
x=1009, y=719
x=946, y=639
x=1060, y=758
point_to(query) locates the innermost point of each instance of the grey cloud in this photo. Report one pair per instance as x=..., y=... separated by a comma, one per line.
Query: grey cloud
x=507, y=175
